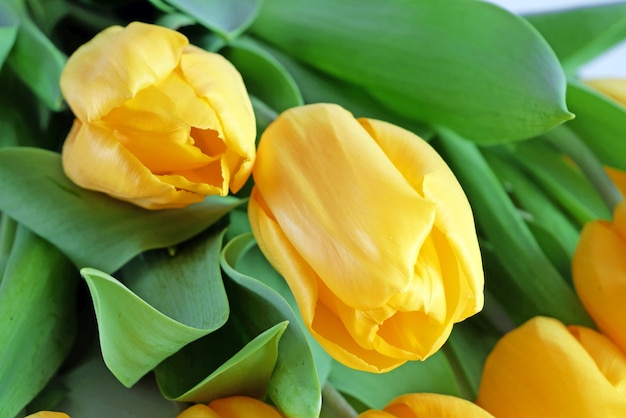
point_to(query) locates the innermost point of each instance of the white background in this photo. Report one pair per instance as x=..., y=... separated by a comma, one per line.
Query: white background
x=610, y=64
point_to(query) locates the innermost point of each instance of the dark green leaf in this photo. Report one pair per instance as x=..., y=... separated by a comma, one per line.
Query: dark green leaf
x=467, y=65
x=294, y=386
x=91, y=228
x=227, y=18
x=377, y=390
x=37, y=322
x=581, y=34
x=600, y=122
x=540, y=289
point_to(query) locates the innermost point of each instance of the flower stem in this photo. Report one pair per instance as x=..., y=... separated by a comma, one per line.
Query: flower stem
x=334, y=404
x=569, y=143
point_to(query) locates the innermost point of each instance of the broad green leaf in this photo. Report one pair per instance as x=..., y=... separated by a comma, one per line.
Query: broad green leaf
x=8, y=227
x=36, y=60
x=48, y=13
x=600, y=122
x=37, y=318
x=226, y=18
x=581, y=34
x=294, y=387
x=562, y=180
x=8, y=31
x=377, y=390
x=247, y=372
x=264, y=76
x=539, y=288
x=470, y=66
x=134, y=336
x=175, y=20
x=92, y=229
x=318, y=87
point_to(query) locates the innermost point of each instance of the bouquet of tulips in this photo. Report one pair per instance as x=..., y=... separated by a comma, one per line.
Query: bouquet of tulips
x=300, y=209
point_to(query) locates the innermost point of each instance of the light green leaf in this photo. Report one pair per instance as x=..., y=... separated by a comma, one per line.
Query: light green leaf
x=247, y=372
x=539, y=288
x=581, y=34
x=264, y=76
x=91, y=228
x=37, y=318
x=294, y=387
x=600, y=123
x=377, y=390
x=8, y=31
x=36, y=60
x=467, y=65
x=226, y=18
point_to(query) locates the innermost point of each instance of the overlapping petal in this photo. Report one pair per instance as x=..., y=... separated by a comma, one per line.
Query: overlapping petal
x=428, y=405
x=232, y=407
x=543, y=369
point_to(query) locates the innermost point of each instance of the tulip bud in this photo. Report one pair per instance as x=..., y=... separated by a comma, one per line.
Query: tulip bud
x=428, y=405
x=159, y=123
x=599, y=274
x=545, y=369
x=48, y=414
x=372, y=232
x=232, y=407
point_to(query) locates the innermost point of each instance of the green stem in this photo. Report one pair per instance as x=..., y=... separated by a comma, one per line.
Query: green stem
x=334, y=405
x=569, y=143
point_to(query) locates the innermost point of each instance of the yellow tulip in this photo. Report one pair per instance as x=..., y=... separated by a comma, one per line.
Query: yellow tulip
x=614, y=88
x=599, y=273
x=48, y=414
x=545, y=369
x=428, y=405
x=159, y=123
x=372, y=232
x=233, y=407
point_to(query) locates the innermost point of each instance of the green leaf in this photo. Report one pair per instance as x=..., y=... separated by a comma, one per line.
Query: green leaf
x=377, y=390
x=294, y=387
x=264, y=76
x=318, y=87
x=226, y=18
x=9, y=25
x=37, y=322
x=36, y=60
x=91, y=228
x=467, y=65
x=247, y=372
x=539, y=288
x=581, y=34
x=600, y=123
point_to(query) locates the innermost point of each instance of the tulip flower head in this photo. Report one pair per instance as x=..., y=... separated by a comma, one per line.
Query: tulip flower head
x=599, y=273
x=232, y=407
x=545, y=369
x=372, y=232
x=159, y=123
x=428, y=405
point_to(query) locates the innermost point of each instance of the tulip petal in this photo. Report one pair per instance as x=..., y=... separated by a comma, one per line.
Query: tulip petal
x=432, y=405
x=431, y=177
x=614, y=88
x=373, y=413
x=599, y=273
x=541, y=370
x=48, y=414
x=362, y=224
x=216, y=80
x=198, y=411
x=243, y=407
x=95, y=160
x=116, y=65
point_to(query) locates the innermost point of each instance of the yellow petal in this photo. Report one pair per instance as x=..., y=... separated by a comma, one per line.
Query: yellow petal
x=48, y=414
x=116, y=64
x=431, y=405
x=541, y=370
x=610, y=360
x=198, y=411
x=618, y=177
x=342, y=204
x=243, y=407
x=599, y=272
x=612, y=87
x=216, y=80
x=431, y=177
x=95, y=160
x=373, y=413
